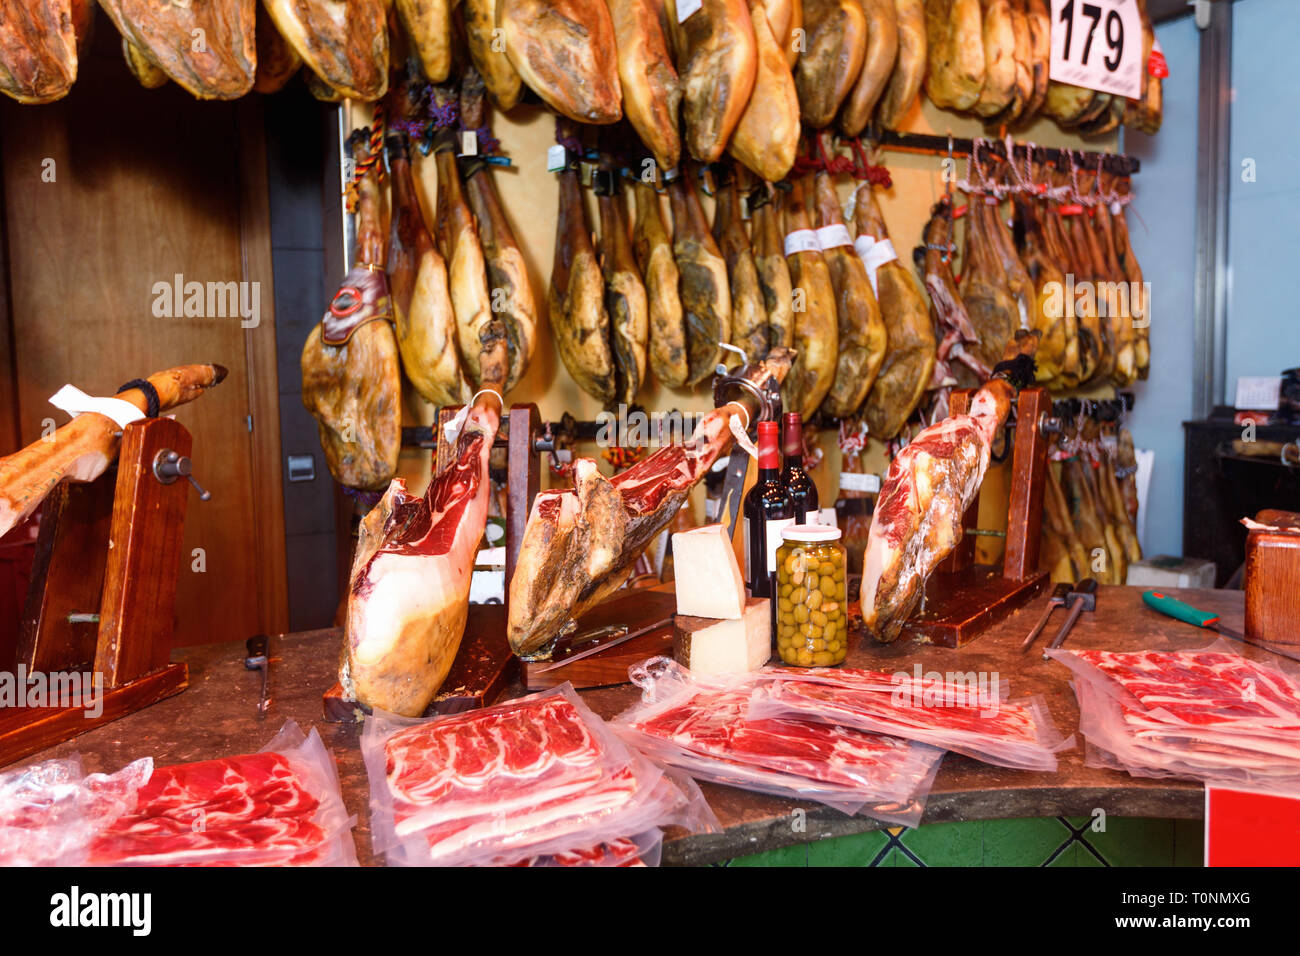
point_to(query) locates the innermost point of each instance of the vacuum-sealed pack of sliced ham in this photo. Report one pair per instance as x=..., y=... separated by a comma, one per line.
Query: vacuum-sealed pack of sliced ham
x=1210, y=715
x=644, y=849
x=702, y=726
x=50, y=811
x=945, y=713
x=279, y=807
x=537, y=776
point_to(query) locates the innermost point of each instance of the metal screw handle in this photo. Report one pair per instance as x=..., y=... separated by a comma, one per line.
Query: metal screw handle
x=169, y=465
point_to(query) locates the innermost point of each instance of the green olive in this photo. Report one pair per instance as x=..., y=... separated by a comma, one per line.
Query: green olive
x=814, y=600
x=801, y=613
x=818, y=618
x=812, y=582
x=797, y=595
x=823, y=659
x=805, y=657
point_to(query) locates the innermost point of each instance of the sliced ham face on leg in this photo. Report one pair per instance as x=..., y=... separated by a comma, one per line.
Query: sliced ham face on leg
x=580, y=544
x=409, y=595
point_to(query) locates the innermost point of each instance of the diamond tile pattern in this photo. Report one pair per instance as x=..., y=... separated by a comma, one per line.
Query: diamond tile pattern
x=1047, y=841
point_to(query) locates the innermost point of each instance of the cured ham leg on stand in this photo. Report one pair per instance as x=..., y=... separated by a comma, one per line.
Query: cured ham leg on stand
x=409, y=595
x=930, y=484
x=83, y=448
x=580, y=544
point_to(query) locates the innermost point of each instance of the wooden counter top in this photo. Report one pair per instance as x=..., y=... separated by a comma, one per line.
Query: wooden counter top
x=217, y=716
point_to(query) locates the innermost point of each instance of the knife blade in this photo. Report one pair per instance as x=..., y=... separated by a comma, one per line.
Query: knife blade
x=606, y=646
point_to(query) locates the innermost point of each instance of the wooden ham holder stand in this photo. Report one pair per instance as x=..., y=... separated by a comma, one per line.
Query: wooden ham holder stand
x=484, y=666
x=963, y=599
x=103, y=592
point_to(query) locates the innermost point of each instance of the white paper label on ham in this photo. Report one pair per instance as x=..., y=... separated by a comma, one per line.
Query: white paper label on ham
x=555, y=158
x=686, y=7
x=879, y=253
x=802, y=240
x=74, y=401
x=834, y=235
x=856, y=481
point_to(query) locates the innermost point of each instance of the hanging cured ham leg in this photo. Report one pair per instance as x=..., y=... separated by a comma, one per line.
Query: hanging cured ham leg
x=509, y=287
x=909, y=363
x=39, y=42
x=652, y=94
x=717, y=60
x=578, y=317
x=705, y=291
x=351, y=375
x=862, y=341
x=929, y=486
x=84, y=448
x=222, y=67
x=409, y=594
x=565, y=50
x=580, y=543
x=345, y=42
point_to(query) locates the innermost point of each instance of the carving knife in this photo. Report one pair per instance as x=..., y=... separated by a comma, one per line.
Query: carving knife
x=1181, y=611
x=607, y=645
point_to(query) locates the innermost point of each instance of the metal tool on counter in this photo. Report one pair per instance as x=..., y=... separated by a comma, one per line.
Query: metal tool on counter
x=1056, y=600
x=1181, y=611
x=1082, y=597
x=257, y=659
x=621, y=638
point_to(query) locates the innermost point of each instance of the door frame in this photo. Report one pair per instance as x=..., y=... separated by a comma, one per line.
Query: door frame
x=263, y=374
x=263, y=398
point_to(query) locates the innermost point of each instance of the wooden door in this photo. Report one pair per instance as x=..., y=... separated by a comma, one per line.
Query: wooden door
x=107, y=194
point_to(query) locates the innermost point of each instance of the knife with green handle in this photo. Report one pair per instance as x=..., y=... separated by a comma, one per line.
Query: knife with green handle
x=1182, y=611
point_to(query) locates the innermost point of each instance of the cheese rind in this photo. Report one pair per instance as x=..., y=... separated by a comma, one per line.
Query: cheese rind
x=711, y=646
x=707, y=575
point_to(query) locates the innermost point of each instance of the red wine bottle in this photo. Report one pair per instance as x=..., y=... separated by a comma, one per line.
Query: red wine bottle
x=802, y=489
x=767, y=510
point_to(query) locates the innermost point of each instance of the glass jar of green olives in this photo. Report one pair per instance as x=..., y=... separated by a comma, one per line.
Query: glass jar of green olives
x=811, y=605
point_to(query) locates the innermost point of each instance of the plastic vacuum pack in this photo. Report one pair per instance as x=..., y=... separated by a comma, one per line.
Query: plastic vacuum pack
x=702, y=727
x=281, y=806
x=538, y=776
x=1211, y=715
x=945, y=714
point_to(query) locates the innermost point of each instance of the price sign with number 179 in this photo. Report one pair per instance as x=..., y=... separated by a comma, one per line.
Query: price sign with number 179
x=1097, y=44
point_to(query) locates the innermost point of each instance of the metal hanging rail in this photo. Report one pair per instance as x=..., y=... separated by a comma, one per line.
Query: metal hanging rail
x=934, y=145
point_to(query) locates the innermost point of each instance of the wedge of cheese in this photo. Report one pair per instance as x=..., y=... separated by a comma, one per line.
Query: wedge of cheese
x=710, y=646
x=709, y=583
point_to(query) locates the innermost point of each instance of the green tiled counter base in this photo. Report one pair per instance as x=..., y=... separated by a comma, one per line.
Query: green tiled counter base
x=1047, y=841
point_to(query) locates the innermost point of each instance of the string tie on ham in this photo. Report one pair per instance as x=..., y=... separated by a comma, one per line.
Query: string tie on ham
x=452, y=429
x=150, y=395
x=375, y=150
